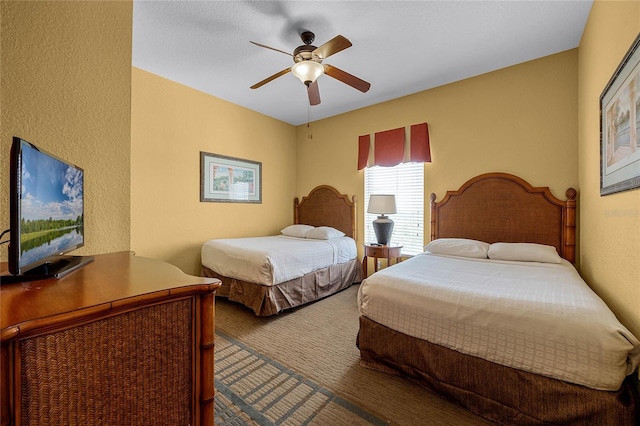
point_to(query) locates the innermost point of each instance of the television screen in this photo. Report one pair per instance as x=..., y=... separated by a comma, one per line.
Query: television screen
x=47, y=211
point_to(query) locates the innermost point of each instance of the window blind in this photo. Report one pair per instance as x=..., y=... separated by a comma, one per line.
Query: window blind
x=406, y=181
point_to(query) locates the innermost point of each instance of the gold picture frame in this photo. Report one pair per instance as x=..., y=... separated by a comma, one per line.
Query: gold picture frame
x=225, y=179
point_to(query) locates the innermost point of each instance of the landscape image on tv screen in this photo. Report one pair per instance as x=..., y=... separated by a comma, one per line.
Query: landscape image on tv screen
x=51, y=207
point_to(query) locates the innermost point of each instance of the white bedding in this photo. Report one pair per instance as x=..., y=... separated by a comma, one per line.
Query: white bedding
x=536, y=317
x=275, y=259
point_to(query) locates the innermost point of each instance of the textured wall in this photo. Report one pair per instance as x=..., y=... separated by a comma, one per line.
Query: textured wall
x=171, y=124
x=519, y=120
x=610, y=225
x=66, y=79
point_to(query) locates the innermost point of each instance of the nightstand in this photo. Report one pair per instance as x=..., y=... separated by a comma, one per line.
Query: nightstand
x=380, y=252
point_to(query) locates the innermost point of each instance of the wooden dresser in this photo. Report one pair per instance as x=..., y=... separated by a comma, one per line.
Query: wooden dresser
x=125, y=340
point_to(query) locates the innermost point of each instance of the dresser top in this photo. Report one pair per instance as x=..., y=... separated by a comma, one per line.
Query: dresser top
x=112, y=281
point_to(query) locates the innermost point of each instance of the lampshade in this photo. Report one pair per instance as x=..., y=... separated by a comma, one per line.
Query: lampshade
x=383, y=226
x=382, y=204
x=307, y=71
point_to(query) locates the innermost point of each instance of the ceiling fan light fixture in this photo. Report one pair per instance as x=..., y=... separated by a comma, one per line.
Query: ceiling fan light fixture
x=307, y=71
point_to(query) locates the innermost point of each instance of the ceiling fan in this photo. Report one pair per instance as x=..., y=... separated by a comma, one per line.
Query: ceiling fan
x=308, y=65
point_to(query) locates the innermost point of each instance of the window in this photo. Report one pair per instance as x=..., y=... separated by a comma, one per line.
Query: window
x=406, y=181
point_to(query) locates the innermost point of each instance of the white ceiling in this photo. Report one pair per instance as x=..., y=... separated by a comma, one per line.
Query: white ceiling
x=400, y=47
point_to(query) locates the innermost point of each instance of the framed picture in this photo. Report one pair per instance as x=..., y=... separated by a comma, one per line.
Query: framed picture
x=229, y=180
x=620, y=126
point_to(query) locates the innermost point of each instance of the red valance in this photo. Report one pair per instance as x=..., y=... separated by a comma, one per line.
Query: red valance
x=363, y=151
x=389, y=147
x=420, y=147
x=392, y=147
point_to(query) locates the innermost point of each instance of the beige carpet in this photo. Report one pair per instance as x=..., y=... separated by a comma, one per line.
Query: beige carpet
x=318, y=342
x=270, y=393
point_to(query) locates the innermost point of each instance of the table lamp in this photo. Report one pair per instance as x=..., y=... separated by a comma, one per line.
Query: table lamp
x=383, y=226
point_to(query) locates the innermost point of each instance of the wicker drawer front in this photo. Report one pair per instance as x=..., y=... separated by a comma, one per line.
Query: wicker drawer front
x=134, y=368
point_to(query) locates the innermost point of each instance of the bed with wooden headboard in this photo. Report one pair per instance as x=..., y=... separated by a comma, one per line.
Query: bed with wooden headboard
x=288, y=268
x=494, y=316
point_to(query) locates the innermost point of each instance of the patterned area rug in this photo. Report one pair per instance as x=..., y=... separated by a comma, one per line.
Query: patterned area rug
x=227, y=414
x=252, y=389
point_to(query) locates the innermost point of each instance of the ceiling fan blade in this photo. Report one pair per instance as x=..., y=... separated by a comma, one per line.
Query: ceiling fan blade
x=346, y=78
x=314, y=93
x=335, y=45
x=273, y=77
x=269, y=47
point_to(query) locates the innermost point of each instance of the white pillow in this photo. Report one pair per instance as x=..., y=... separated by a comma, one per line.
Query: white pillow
x=524, y=252
x=458, y=247
x=296, y=230
x=323, y=233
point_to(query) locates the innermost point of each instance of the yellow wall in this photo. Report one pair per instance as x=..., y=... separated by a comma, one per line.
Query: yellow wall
x=171, y=124
x=610, y=241
x=520, y=120
x=67, y=87
x=65, y=79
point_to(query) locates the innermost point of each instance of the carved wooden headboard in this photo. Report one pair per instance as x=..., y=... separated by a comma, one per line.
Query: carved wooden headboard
x=500, y=207
x=325, y=206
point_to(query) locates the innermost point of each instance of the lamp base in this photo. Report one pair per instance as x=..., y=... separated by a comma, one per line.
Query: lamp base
x=383, y=228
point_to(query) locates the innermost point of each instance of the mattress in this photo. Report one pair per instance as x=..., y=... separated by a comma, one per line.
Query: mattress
x=275, y=259
x=536, y=317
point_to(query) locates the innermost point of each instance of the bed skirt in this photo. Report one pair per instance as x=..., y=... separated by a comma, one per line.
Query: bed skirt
x=267, y=300
x=501, y=394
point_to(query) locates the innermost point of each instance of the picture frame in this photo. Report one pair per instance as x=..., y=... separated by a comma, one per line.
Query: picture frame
x=620, y=126
x=225, y=179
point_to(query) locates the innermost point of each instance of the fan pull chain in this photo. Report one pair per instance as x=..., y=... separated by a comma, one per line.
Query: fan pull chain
x=309, y=132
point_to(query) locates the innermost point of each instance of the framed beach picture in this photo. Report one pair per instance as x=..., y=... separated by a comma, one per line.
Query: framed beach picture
x=229, y=180
x=620, y=126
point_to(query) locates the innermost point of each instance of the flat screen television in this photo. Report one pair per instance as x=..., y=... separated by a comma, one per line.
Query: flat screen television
x=46, y=214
